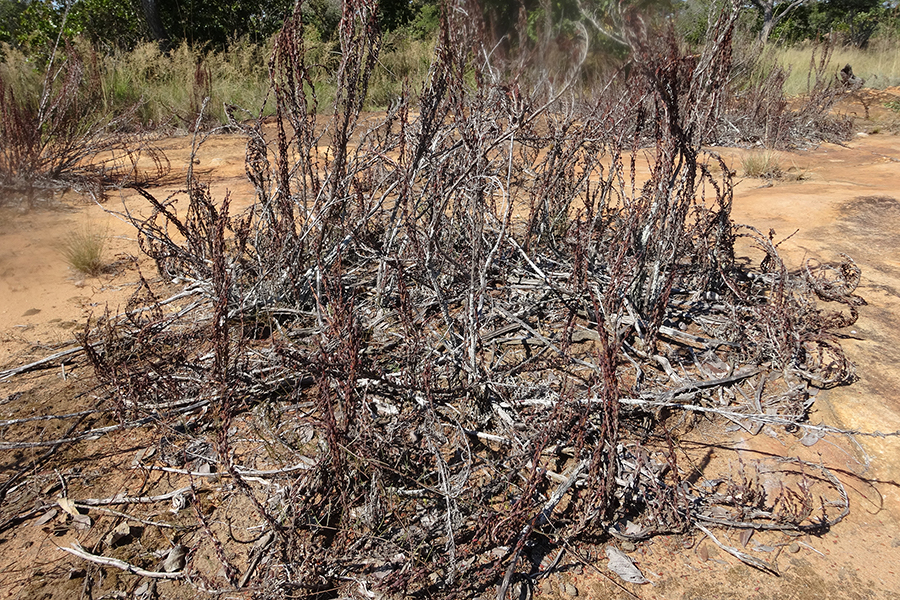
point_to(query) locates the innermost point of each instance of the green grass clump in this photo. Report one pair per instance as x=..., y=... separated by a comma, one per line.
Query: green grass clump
x=169, y=88
x=764, y=165
x=83, y=251
x=403, y=60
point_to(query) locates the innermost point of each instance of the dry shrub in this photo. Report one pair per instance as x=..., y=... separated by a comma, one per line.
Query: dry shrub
x=58, y=135
x=445, y=321
x=761, y=113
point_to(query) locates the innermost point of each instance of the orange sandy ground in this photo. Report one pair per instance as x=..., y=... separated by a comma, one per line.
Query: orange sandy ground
x=42, y=303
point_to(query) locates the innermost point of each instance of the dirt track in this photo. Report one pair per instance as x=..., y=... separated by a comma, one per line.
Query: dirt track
x=847, y=201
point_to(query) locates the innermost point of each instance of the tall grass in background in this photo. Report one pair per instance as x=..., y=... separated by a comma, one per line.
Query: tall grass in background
x=402, y=59
x=878, y=65
x=19, y=74
x=168, y=89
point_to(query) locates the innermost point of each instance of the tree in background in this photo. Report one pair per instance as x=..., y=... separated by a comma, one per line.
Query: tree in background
x=121, y=24
x=10, y=16
x=124, y=23
x=106, y=23
x=855, y=20
x=793, y=21
x=772, y=12
x=395, y=14
x=216, y=24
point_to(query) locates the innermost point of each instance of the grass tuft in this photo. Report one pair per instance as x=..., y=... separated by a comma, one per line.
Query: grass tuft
x=83, y=251
x=764, y=164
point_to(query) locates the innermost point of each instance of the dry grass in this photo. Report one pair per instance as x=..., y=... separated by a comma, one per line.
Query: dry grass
x=169, y=88
x=83, y=250
x=764, y=164
x=403, y=60
x=770, y=164
x=878, y=65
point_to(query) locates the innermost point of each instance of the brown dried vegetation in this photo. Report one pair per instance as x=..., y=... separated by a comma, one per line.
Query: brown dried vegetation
x=65, y=138
x=454, y=341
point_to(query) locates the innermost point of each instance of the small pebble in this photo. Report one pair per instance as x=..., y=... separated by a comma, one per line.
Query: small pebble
x=895, y=543
x=794, y=548
x=628, y=546
x=546, y=587
x=570, y=590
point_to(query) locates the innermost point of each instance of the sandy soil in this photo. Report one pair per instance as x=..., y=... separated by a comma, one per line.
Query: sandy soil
x=847, y=200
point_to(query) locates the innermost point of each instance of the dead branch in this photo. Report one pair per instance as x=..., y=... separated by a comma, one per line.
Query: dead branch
x=122, y=499
x=80, y=552
x=741, y=556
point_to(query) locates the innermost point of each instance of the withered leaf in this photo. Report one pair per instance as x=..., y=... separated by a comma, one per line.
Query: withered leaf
x=81, y=522
x=621, y=565
x=68, y=506
x=46, y=517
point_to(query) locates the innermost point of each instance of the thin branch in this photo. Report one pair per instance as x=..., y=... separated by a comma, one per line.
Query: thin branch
x=133, y=500
x=106, y=561
x=742, y=556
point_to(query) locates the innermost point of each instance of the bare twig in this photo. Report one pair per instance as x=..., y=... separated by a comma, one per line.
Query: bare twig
x=106, y=561
x=133, y=500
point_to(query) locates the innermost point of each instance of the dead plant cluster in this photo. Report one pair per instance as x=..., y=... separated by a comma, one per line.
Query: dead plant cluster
x=446, y=343
x=760, y=114
x=65, y=138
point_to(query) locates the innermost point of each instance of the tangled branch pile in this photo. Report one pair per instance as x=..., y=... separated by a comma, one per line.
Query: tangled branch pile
x=452, y=339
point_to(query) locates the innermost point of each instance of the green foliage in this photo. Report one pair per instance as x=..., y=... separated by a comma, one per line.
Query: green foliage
x=217, y=23
x=106, y=23
x=10, y=17
x=403, y=61
x=854, y=20
x=322, y=16
x=169, y=87
x=117, y=24
x=692, y=20
x=398, y=14
x=424, y=23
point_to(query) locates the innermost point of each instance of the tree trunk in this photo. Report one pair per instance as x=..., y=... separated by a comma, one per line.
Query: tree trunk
x=154, y=22
x=771, y=17
x=768, y=23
